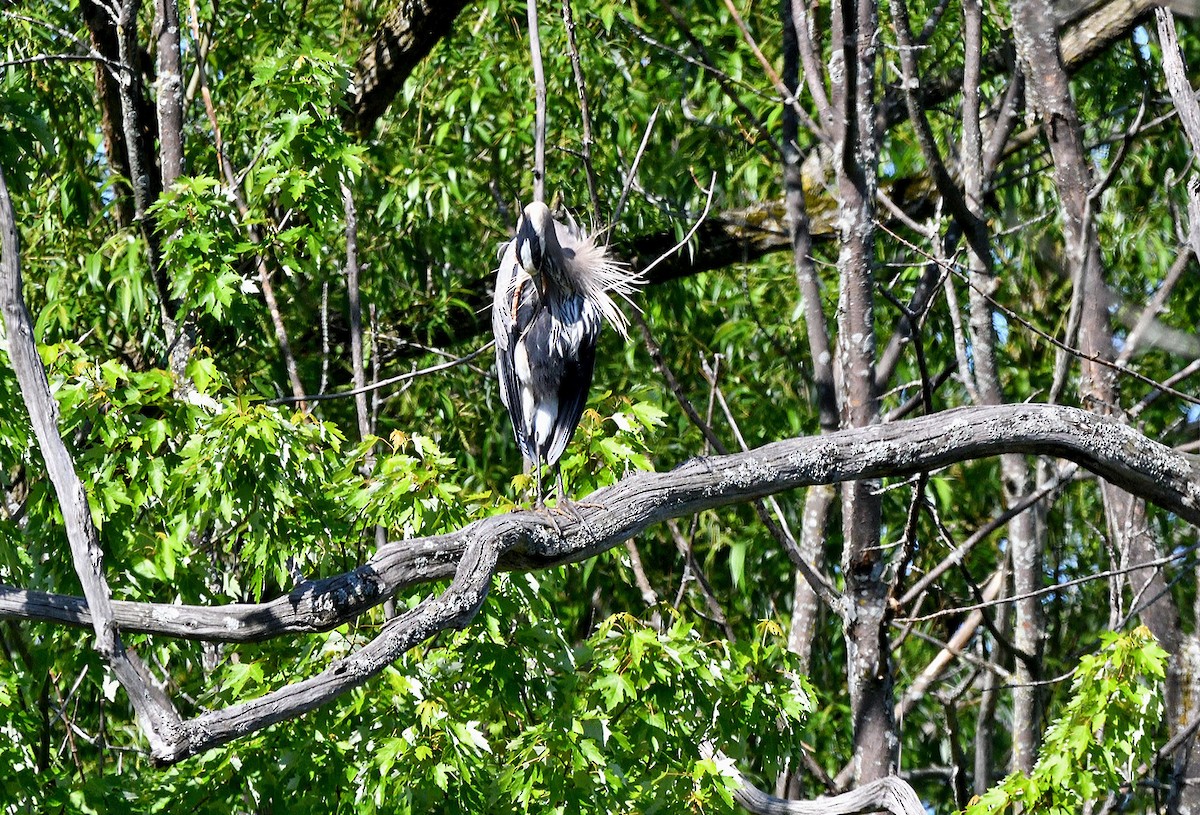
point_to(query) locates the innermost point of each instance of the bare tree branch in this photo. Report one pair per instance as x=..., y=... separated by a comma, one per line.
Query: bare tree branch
x=889, y=794
x=154, y=710
x=407, y=34
x=1109, y=449
x=524, y=540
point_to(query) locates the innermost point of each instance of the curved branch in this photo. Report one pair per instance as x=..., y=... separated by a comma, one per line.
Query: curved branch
x=453, y=608
x=889, y=794
x=611, y=515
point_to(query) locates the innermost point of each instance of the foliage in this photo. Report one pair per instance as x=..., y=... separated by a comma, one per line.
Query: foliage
x=1105, y=732
x=574, y=690
x=611, y=723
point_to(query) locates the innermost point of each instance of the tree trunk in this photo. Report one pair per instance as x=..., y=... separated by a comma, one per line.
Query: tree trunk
x=1125, y=515
x=865, y=611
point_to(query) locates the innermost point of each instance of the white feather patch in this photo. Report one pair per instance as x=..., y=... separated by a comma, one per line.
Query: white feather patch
x=596, y=274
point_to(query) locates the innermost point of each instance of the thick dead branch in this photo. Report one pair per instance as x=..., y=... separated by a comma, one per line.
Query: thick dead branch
x=453, y=608
x=613, y=514
x=888, y=794
x=154, y=711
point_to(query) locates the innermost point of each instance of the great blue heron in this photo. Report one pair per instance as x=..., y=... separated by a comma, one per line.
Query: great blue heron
x=552, y=293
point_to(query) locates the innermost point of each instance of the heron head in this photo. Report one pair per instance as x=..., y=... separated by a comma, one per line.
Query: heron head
x=536, y=239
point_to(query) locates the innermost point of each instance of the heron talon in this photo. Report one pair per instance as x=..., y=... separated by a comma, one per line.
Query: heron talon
x=565, y=506
x=549, y=513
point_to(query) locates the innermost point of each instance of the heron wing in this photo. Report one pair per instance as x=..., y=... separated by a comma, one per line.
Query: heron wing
x=578, y=364
x=502, y=317
x=513, y=307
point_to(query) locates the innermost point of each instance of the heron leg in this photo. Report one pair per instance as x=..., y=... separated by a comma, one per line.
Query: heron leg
x=562, y=493
x=549, y=511
x=567, y=506
x=570, y=504
x=540, y=506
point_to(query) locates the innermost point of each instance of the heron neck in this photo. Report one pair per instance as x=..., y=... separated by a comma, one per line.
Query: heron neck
x=555, y=288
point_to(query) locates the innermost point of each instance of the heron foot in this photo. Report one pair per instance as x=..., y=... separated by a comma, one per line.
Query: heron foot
x=548, y=512
x=566, y=506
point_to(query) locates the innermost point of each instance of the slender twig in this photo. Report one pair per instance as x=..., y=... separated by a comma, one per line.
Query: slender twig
x=585, y=141
x=707, y=67
x=1118, y=161
x=1062, y=352
x=649, y=596
x=676, y=388
x=539, y=87
x=1155, y=563
x=960, y=343
x=918, y=399
x=41, y=58
x=632, y=174
x=1183, y=373
x=711, y=375
x=692, y=566
x=375, y=401
x=1057, y=343
x=819, y=583
x=760, y=126
x=88, y=53
x=1153, y=308
x=712, y=186
x=774, y=77
x=404, y=377
x=71, y=727
x=958, y=553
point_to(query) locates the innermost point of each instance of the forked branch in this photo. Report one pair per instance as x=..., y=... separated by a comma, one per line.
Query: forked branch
x=518, y=540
